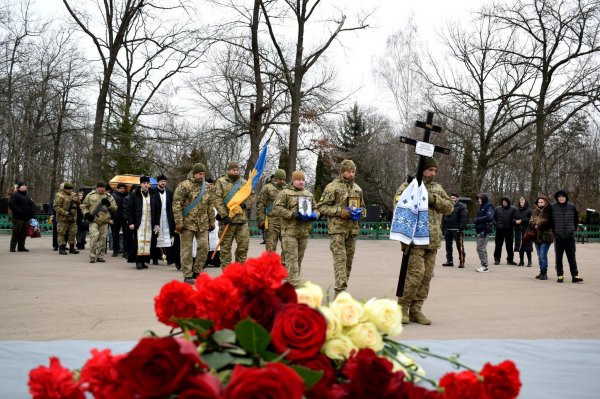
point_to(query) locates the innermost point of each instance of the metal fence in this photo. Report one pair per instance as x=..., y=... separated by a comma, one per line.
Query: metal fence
x=368, y=230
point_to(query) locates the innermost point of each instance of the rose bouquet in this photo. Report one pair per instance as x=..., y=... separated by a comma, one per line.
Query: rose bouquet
x=246, y=334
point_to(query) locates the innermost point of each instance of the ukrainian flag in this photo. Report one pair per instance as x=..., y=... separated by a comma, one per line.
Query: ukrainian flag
x=244, y=192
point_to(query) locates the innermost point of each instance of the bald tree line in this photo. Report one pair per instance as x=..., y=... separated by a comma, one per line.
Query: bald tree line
x=148, y=87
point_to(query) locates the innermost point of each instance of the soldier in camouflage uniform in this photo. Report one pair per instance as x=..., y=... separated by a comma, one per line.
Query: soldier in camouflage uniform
x=194, y=217
x=97, y=207
x=295, y=224
x=236, y=218
x=65, y=205
x=336, y=202
x=264, y=206
x=422, y=257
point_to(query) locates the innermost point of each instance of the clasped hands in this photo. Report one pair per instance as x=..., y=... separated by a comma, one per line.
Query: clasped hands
x=351, y=213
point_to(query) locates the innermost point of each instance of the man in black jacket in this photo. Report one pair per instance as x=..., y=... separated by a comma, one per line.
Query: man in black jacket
x=23, y=209
x=143, y=219
x=565, y=221
x=504, y=219
x=453, y=226
x=119, y=223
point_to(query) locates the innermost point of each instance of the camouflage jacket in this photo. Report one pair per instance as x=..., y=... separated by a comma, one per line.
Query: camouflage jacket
x=62, y=206
x=264, y=205
x=223, y=186
x=285, y=206
x=202, y=216
x=334, y=199
x=440, y=204
x=91, y=204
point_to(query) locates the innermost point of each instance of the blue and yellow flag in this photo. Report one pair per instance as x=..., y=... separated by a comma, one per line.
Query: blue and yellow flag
x=244, y=192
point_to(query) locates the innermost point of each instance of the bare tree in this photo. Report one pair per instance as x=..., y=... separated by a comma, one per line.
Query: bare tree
x=295, y=68
x=561, y=41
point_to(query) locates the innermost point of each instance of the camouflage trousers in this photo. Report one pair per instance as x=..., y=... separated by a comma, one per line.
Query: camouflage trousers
x=66, y=232
x=418, y=277
x=98, y=240
x=293, y=251
x=342, y=248
x=239, y=232
x=272, y=235
x=188, y=266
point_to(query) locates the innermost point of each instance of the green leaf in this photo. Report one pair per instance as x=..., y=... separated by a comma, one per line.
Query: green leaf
x=273, y=357
x=252, y=336
x=310, y=376
x=217, y=360
x=201, y=326
x=224, y=337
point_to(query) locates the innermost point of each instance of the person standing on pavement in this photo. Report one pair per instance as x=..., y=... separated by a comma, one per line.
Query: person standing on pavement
x=167, y=242
x=565, y=221
x=83, y=225
x=343, y=204
x=225, y=188
x=97, y=208
x=523, y=245
x=143, y=219
x=541, y=223
x=66, y=203
x=453, y=227
x=23, y=210
x=194, y=217
x=295, y=206
x=504, y=219
x=271, y=224
x=422, y=257
x=483, y=226
x=119, y=225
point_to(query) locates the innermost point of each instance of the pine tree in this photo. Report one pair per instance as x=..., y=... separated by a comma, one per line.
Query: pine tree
x=323, y=174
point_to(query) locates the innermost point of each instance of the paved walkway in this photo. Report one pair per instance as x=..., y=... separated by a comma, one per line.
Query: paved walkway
x=44, y=296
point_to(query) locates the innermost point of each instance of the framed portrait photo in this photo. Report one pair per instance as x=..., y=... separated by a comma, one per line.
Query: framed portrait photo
x=354, y=202
x=304, y=205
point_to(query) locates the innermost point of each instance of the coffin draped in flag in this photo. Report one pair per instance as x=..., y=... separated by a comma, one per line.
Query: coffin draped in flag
x=245, y=191
x=411, y=216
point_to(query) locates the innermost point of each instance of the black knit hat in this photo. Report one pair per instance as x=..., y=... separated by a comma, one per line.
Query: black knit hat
x=20, y=183
x=161, y=177
x=144, y=179
x=123, y=185
x=100, y=184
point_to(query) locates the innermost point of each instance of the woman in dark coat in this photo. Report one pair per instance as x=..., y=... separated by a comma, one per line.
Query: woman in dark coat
x=541, y=222
x=522, y=217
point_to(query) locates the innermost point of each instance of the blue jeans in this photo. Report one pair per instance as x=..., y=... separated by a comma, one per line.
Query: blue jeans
x=542, y=251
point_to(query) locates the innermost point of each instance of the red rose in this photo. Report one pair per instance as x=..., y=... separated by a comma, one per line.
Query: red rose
x=322, y=363
x=501, y=381
x=156, y=367
x=262, y=306
x=287, y=293
x=202, y=386
x=463, y=385
x=176, y=299
x=54, y=382
x=369, y=375
x=299, y=329
x=273, y=381
x=218, y=300
x=99, y=374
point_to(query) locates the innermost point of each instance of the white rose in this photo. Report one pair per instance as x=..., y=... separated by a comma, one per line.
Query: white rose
x=386, y=314
x=403, y=362
x=334, y=327
x=338, y=348
x=310, y=294
x=347, y=309
x=365, y=335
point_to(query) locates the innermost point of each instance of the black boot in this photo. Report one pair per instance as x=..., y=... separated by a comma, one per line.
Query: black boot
x=139, y=265
x=72, y=249
x=63, y=250
x=449, y=263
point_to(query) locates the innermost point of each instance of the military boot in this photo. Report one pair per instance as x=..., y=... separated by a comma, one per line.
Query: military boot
x=405, y=305
x=418, y=317
x=62, y=250
x=72, y=249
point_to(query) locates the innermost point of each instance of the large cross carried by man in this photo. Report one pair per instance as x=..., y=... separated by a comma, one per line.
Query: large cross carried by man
x=425, y=149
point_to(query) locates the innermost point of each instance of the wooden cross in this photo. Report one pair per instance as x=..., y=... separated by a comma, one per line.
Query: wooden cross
x=424, y=149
